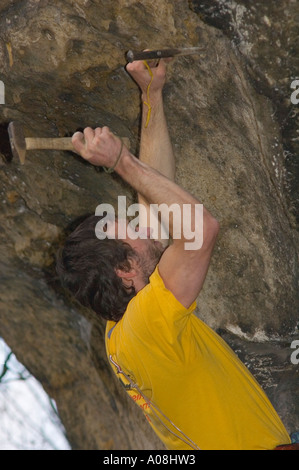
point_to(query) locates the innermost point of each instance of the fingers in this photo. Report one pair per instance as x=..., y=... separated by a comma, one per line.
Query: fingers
x=78, y=142
x=89, y=134
x=81, y=141
x=98, y=131
x=148, y=73
x=96, y=145
x=136, y=66
x=139, y=66
x=167, y=60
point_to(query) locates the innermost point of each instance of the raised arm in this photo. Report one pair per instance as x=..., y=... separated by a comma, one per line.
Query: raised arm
x=155, y=145
x=183, y=271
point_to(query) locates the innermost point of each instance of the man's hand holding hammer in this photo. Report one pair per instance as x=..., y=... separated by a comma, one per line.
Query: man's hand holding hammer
x=100, y=146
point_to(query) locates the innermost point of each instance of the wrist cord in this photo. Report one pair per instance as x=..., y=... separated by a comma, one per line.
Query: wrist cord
x=111, y=170
x=147, y=103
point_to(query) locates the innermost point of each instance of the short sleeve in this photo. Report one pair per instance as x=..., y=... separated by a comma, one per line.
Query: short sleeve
x=154, y=314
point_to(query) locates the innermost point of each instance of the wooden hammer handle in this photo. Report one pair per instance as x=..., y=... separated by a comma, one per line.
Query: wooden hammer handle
x=41, y=143
x=59, y=143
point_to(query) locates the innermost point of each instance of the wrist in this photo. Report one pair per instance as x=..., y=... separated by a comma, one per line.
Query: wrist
x=155, y=97
x=124, y=161
x=112, y=168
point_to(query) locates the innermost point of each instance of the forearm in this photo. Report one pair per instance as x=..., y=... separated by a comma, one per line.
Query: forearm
x=155, y=146
x=150, y=183
x=158, y=190
x=100, y=147
x=156, y=151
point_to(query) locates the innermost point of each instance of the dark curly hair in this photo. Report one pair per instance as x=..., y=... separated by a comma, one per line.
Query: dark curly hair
x=86, y=267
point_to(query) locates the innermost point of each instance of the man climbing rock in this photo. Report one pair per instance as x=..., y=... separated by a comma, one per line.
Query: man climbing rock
x=194, y=391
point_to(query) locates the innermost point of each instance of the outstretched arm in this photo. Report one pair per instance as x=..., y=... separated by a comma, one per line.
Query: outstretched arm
x=183, y=271
x=155, y=145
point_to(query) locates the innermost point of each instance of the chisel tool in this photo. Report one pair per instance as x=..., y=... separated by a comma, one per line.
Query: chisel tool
x=162, y=53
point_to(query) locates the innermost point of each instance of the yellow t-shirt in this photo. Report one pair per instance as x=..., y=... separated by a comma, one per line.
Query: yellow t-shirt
x=194, y=390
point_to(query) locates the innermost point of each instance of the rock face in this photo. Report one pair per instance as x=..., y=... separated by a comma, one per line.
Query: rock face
x=267, y=36
x=63, y=69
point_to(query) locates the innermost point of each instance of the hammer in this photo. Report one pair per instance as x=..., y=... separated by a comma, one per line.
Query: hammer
x=20, y=144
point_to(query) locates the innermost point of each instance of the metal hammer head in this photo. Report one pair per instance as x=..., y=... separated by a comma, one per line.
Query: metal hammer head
x=17, y=140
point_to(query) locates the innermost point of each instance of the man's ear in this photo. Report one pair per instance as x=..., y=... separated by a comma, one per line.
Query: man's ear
x=126, y=275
